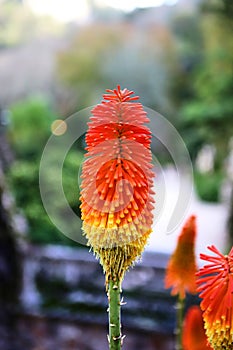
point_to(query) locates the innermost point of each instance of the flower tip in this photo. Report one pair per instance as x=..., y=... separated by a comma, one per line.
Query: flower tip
x=191, y=220
x=192, y=217
x=188, y=233
x=119, y=95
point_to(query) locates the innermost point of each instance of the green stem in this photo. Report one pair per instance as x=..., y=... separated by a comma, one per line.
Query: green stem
x=114, y=299
x=180, y=319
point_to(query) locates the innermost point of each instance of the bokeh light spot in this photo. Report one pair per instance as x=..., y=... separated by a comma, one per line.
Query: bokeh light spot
x=58, y=127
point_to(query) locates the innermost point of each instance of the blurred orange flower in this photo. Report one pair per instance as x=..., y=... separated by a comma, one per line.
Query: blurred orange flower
x=181, y=269
x=216, y=286
x=194, y=337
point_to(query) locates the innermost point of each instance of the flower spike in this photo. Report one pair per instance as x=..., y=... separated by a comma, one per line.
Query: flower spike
x=215, y=284
x=117, y=196
x=181, y=269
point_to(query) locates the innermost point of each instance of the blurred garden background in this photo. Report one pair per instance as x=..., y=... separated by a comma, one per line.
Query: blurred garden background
x=57, y=58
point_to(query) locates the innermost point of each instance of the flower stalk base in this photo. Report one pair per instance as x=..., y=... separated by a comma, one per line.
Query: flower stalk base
x=114, y=298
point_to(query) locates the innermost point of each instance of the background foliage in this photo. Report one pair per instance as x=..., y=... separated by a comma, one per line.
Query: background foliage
x=29, y=132
x=179, y=60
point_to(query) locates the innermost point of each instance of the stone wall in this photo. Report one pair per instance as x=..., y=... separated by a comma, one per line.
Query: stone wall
x=64, y=302
x=48, y=334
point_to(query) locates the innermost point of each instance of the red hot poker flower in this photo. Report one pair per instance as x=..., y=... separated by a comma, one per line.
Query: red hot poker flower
x=216, y=289
x=194, y=337
x=117, y=197
x=181, y=269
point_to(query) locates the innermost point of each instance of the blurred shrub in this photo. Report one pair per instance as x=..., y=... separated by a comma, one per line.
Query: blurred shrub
x=29, y=132
x=24, y=179
x=208, y=186
x=30, y=126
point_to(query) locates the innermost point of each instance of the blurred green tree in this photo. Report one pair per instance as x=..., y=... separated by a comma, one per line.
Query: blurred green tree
x=81, y=65
x=203, y=93
x=188, y=43
x=103, y=55
x=209, y=115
